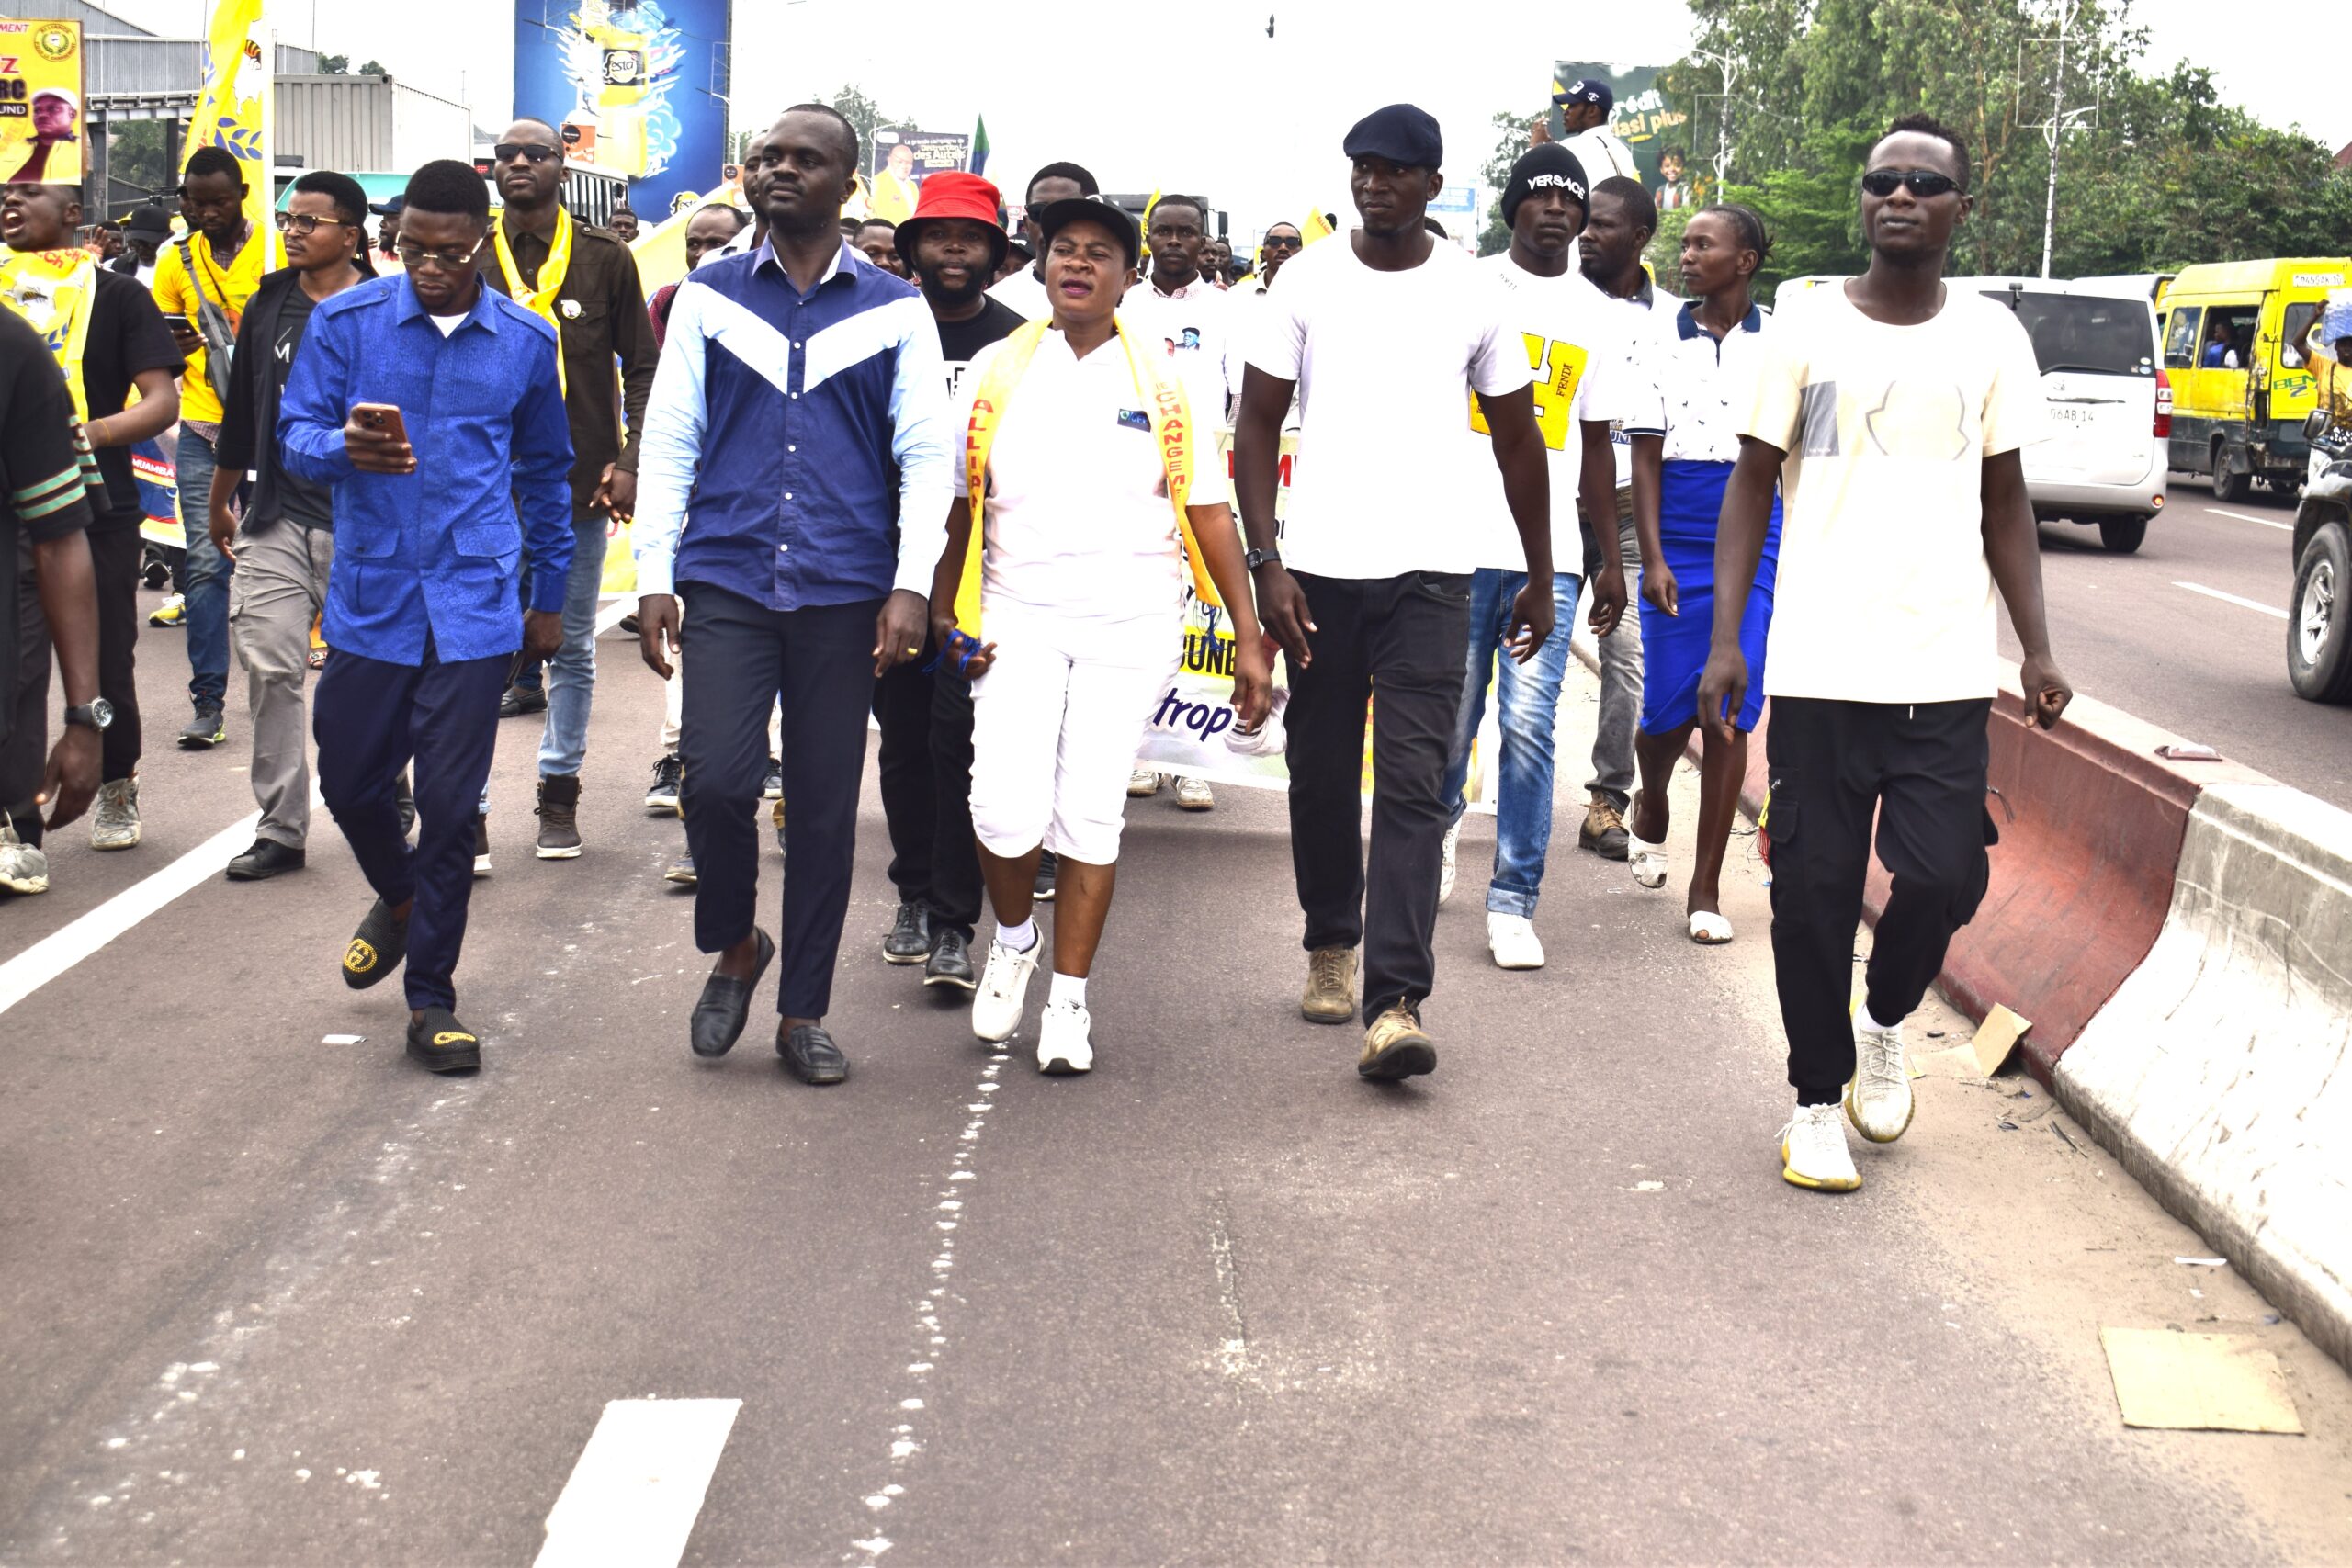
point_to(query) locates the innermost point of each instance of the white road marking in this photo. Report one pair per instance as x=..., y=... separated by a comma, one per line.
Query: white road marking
x=610, y=615
x=2265, y=522
x=2231, y=599
x=633, y=1498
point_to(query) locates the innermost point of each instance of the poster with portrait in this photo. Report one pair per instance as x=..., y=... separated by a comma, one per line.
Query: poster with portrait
x=1655, y=131
x=900, y=158
x=40, y=102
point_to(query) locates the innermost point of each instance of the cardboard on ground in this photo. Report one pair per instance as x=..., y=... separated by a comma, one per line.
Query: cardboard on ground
x=1997, y=1037
x=2208, y=1382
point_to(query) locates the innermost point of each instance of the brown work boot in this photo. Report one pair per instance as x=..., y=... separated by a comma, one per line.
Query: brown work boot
x=1395, y=1047
x=1604, y=828
x=560, y=817
x=1330, y=985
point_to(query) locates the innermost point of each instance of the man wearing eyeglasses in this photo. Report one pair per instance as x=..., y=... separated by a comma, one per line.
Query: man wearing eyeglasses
x=429, y=404
x=284, y=544
x=583, y=282
x=1890, y=410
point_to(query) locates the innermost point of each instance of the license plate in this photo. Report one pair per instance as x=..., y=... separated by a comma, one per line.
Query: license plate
x=2067, y=414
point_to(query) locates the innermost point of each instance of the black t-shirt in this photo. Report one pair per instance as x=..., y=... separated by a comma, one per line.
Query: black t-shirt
x=127, y=335
x=303, y=502
x=42, y=490
x=960, y=341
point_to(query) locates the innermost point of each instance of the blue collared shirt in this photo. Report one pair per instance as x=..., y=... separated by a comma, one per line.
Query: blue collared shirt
x=436, y=551
x=797, y=448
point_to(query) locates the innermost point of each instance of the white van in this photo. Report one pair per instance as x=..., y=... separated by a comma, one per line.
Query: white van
x=2110, y=401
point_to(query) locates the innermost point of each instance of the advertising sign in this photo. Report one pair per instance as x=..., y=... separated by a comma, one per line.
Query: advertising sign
x=901, y=158
x=1653, y=129
x=40, y=102
x=636, y=87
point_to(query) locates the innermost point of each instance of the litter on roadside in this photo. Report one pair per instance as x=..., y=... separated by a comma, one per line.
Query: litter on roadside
x=2204, y=1262
x=2205, y=1383
x=1996, y=1038
x=344, y=1040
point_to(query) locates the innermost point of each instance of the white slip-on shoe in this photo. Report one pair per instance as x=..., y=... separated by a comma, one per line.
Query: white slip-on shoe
x=1065, y=1043
x=1646, y=860
x=1813, y=1153
x=1004, y=985
x=1709, y=929
x=1512, y=940
x=1143, y=784
x=1445, y=862
x=1879, y=1099
x=1194, y=794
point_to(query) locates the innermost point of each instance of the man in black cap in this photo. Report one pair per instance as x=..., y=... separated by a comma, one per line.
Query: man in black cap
x=1585, y=106
x=388, y=233
x=146, y=228
x=1384, y=337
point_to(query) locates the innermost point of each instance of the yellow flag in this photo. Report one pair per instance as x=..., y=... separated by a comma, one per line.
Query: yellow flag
x=233, y=110
x=1146, y=221
x=1314, y=229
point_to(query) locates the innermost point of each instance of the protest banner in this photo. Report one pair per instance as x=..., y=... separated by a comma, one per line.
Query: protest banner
x=40, y=102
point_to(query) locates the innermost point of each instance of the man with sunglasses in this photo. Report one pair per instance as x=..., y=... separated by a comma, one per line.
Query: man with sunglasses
x=1891, y=411
x=1281, y=242
x=284, y=543
x=435, y=511
x=214, y=272
x=583, y=282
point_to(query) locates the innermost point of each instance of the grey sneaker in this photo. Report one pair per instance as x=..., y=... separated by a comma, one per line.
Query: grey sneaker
x=206, y=730
x=22, y=869
x=115, y=824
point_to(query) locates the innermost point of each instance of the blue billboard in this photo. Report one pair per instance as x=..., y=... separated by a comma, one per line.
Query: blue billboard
x=637, y=88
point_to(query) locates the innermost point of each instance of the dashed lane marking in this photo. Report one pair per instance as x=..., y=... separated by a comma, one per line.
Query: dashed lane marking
x=635, y=1492
x=2243, y=518
x=2232, y=599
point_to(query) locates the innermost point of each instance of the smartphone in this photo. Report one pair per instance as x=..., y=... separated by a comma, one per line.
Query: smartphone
x=384, y=417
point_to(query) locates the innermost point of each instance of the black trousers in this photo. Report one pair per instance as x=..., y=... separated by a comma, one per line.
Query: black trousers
x=1400, y=642
x=24, y=753
x=115, y=553
x=820, y=662
x=1833, y=765
x=925, y=762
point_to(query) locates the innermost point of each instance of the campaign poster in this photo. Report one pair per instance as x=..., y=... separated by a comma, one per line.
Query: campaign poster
x=900, y=158
x=40, y=102
x=1655, y=131
x=636, y=87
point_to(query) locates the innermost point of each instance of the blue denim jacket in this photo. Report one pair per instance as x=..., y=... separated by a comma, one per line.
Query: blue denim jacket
x=436, y=551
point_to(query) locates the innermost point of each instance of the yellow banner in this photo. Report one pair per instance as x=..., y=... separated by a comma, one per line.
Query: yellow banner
x=40, y=102
x=233, y=112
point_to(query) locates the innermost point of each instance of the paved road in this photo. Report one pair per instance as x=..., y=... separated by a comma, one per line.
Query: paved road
x=276, y=1300
x=2191, y=633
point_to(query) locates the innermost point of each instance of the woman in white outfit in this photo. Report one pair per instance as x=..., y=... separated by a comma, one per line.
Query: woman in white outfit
x=1095, y=495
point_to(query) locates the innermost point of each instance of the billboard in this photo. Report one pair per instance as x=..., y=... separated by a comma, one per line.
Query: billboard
x=636, y=87
x=1649, y=126
x=40, y=102
x=900, y=158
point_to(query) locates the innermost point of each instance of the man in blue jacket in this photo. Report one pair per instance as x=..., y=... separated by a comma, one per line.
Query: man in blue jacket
x=423, y=610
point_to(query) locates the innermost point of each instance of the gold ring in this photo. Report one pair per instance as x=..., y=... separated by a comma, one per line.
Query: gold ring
x=914, y=650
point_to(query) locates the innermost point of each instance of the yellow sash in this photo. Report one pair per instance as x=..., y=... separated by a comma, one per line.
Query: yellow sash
x=52, y=291
x=1171, y=429
x=542, y=299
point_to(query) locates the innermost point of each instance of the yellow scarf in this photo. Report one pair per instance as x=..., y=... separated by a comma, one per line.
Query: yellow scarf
x=53, y=291
x=1171, y=428
x=542, y=299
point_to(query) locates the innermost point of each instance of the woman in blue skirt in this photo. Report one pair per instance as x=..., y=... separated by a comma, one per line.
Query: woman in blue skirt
x=1696, y=365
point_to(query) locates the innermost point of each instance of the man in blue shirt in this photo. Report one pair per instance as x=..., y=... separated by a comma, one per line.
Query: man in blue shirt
x=432, y=405
x=793, y=486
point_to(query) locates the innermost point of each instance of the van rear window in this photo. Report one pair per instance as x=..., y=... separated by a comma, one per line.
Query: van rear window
x=2075, y=332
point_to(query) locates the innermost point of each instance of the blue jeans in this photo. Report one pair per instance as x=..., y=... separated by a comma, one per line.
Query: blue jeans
x=571, y=674
x=1530, y=695
x=204, y=578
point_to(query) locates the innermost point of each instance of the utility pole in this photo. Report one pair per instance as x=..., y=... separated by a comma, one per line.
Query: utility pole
x=2061, y=118
x=1727, y=67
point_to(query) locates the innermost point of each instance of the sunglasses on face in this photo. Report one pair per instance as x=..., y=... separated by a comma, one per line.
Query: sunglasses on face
x=1921, y=183
x=507, y=152
x=307, y=222
x=1281, y=243
x=417, y=256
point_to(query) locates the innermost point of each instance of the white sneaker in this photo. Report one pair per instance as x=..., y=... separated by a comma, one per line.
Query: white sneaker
x=1880, y=1100
x=1064, y=1045
x=1814, y=1151
x=23, y=868
x=1143, y=784
x=115, y=824
x=1445, y=862
x=1004, y=985
x=1512, y=940
x=1192, y=793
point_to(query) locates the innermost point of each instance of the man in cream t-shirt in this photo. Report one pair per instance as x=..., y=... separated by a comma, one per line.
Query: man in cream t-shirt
x=1893, y=411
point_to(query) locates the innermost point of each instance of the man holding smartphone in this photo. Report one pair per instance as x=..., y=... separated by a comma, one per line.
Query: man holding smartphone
x=431, y=405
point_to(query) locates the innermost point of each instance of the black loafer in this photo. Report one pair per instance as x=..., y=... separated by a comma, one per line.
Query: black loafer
x=263, y=861
x=812, y=1056
x=442, y=1043
x=726, y=1005
x=377, y=948
x=950, y=962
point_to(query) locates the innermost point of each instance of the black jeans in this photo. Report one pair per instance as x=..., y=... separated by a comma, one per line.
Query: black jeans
x=1920, y=769
x=955, y=886
x=902, y=700
x=115, y=551
x=1400, y=642
x=820, y=662
x=24, y=753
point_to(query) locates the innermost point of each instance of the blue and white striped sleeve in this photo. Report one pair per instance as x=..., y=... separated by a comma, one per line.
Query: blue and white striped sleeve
x=669, y=448
x=923, y=442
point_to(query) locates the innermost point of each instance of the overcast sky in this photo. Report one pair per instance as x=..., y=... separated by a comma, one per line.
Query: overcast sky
x=1193, y=95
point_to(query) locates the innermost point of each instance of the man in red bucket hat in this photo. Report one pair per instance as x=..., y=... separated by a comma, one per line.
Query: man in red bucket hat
x=952, y=245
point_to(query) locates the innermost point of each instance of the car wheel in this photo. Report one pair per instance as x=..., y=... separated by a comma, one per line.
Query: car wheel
x=2228, y=486
x=2319, y=619
x=2121, y=535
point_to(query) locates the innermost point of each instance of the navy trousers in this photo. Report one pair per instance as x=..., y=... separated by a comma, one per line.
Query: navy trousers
x=820, y=662
x=371, y=719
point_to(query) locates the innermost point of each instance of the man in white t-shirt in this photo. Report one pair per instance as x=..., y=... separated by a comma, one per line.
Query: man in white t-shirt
x=1384, y=337
x=1575, y=344
x=1892, y=412
x=1026, y=291
x=1585, y=107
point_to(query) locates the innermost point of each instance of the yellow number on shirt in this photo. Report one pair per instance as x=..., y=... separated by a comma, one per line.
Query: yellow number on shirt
x=1558, y=367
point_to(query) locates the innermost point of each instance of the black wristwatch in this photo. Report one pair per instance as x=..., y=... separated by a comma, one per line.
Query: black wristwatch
x=1257, y=559
x=97, y=713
